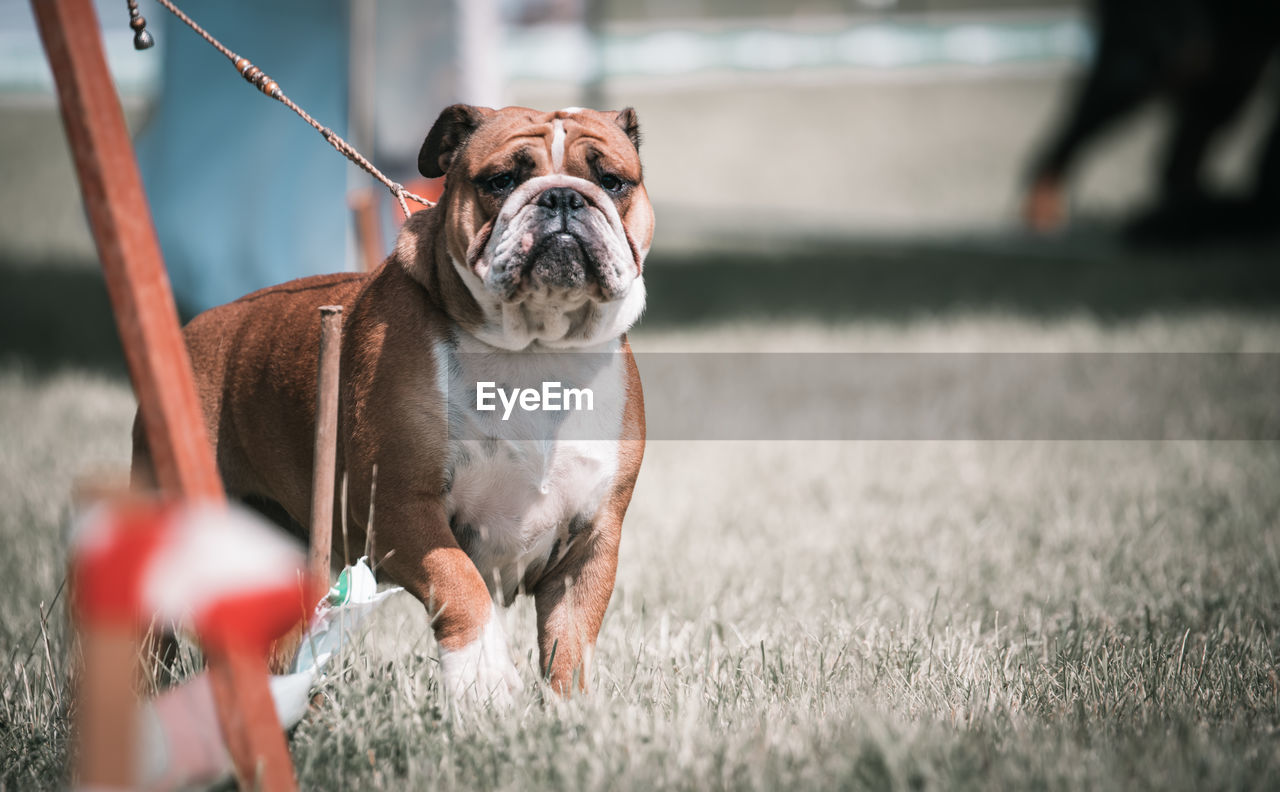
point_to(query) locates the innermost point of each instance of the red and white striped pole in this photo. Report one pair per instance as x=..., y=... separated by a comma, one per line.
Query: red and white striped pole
x=158, y=364
x=223, y=574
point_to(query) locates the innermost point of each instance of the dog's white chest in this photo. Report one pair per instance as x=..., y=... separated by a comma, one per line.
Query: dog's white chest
x=525, y=482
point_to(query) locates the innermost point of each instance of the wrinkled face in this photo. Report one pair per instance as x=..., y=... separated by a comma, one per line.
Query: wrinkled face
x=553, y=223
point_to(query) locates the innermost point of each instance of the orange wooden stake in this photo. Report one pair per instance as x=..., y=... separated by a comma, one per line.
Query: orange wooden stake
x=107, y=707
x=148, y=325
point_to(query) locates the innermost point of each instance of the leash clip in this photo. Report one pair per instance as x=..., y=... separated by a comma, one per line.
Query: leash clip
x=142, y=38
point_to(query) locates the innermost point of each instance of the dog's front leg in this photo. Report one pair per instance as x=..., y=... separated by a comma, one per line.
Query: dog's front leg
x=571, y=600
x=475, y=661
x=572, y=597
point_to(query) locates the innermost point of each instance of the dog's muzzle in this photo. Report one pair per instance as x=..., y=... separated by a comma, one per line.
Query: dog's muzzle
x=557, y=235
x=558, y=257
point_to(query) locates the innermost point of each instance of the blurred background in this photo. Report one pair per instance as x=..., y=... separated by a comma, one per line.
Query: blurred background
x=917, y=155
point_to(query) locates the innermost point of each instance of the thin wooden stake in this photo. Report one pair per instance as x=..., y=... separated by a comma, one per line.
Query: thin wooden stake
x=324, y=469
x=368, y=532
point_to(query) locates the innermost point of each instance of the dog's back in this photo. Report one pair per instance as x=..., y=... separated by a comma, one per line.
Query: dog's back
x=254, y=362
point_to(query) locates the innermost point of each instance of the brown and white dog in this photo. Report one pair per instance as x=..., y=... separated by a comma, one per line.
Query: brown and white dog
x=535, y=249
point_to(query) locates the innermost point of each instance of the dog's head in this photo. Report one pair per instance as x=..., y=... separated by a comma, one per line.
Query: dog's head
x=544, y=220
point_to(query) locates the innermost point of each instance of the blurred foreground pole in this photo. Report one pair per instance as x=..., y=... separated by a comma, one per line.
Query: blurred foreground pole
x=106, y=719
x=126, y=240
x=158, y=364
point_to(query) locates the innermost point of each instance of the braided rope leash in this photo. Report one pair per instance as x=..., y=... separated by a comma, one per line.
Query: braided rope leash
x=271, y=88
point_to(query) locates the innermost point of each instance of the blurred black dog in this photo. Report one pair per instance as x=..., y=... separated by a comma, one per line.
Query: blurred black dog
x=1205, y=58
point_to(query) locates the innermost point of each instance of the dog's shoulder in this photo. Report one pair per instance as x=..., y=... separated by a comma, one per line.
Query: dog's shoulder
x=397, y=309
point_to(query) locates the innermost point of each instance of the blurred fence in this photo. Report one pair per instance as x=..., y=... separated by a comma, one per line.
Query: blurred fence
x=764, y=122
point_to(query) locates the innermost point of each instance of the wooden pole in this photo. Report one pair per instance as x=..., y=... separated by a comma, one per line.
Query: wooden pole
x=148, y=325
x=106, y=711
x=107, y=708
x=323, y=473
x=324, y=470
x=127, y=247
x=240, y=691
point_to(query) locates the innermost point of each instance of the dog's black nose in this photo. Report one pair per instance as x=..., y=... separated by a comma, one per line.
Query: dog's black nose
x=561, y=199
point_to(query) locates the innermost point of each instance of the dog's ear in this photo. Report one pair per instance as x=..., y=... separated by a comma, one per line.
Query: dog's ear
x=448, y=134
x=627, y=122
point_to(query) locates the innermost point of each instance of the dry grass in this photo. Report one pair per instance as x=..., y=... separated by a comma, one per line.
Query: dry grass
x=802, y=615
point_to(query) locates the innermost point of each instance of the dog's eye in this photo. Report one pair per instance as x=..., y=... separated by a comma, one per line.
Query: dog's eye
x=500, y=183
x=612, y=183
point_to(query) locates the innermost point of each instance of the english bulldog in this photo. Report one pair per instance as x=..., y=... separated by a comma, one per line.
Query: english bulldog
x=528, y=269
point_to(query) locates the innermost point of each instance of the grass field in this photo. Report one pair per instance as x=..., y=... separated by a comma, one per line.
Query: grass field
x=888, y=615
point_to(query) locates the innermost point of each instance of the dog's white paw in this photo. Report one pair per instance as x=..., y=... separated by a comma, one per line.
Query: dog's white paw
x=482, y=671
